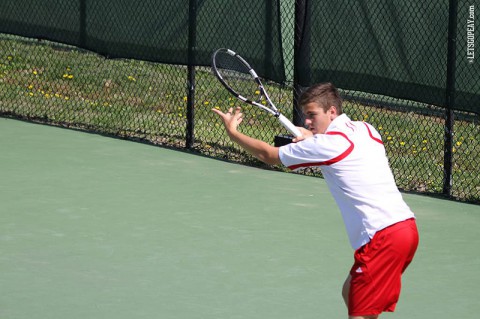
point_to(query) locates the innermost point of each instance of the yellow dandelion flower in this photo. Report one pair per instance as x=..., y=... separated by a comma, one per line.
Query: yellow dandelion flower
x=425, y=141
x=257, y=92
x=131, y=78
x=70, y=76
x=206, y=102
x=35, y=72
x=402, y=143
x=389, y=138
x=185, y=98
x=458, y=143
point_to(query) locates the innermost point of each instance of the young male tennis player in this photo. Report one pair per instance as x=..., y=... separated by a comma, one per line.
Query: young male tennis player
x=380, y=225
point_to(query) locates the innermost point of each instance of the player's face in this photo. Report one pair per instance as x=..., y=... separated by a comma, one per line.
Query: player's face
x=316, y=119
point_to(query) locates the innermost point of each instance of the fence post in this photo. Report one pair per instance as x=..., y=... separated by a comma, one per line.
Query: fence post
x=192, y=43
x=301, y=52
x=450, y=99
x=83, y=24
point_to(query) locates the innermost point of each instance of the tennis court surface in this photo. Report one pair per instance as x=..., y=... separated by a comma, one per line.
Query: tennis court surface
x=95, y=227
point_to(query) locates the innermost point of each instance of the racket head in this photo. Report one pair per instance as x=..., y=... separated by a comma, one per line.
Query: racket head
x=238, y=77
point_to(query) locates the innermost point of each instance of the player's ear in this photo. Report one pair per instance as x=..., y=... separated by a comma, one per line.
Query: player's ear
x=332, y=111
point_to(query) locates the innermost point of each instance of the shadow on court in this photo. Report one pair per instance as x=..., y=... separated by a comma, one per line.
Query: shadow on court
x=94, y=227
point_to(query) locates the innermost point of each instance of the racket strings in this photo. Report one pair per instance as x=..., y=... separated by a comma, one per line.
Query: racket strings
x=237, y=76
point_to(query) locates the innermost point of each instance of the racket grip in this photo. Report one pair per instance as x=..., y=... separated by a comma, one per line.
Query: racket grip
x=289, y=126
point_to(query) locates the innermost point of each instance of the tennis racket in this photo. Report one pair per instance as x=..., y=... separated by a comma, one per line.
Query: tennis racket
x=241, y=80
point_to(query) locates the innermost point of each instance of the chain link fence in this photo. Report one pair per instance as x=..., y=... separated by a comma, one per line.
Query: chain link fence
x=162, y=100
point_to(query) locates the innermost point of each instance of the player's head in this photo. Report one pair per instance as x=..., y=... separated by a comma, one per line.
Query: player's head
x=324, y=94
x=321, y=104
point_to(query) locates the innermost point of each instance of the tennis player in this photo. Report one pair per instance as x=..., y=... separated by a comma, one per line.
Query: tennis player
x=380, y=225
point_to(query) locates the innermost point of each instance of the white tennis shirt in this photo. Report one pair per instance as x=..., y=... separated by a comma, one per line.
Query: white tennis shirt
x=354, y=164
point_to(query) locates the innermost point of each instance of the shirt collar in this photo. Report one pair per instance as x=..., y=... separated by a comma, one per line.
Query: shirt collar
x=338, y=122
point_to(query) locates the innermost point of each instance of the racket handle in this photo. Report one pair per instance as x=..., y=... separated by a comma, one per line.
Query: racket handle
x=289, y=126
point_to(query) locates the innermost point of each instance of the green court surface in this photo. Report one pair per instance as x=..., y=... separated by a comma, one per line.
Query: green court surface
x=95, y=227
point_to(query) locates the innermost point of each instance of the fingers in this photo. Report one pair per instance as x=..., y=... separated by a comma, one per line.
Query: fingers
x=237, y=113
x=218, y=111
x=298, y=139
x=237, y=110
x=231, y=119
x=305, y=134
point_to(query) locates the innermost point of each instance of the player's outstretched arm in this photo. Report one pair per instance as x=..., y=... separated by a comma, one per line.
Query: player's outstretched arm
x=261, y=150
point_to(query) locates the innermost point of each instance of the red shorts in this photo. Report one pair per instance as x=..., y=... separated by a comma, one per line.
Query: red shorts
x=376, y=274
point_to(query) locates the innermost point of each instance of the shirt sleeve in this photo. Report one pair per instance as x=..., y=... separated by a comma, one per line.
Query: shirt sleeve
x=321, y=149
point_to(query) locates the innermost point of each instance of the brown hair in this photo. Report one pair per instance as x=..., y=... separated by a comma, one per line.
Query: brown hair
x=323, y=94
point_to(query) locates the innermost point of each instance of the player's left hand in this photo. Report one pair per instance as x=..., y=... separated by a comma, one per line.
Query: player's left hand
x=231, y=119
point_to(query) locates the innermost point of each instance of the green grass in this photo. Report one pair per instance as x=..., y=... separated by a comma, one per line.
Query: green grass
x=65, y=86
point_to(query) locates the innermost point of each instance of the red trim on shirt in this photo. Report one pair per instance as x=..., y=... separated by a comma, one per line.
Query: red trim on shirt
x=350, y=126
x=371, y=135
x=330, y=161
